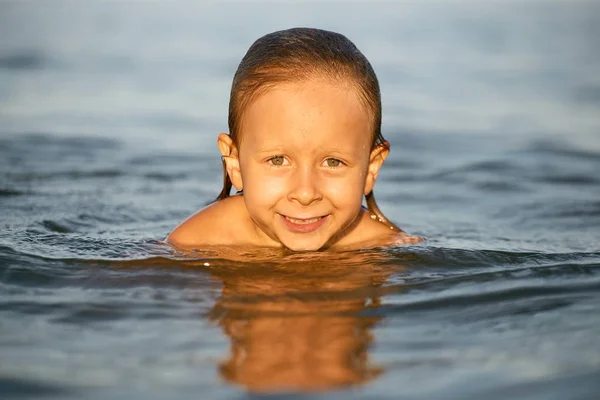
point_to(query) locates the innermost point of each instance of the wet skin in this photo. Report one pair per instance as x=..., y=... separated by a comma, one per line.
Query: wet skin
x=304, y=162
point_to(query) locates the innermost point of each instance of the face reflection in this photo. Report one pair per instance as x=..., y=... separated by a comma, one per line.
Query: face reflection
x=304, y=155
x=297, y=325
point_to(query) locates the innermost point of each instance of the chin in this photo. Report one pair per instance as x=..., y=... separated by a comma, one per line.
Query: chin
x=305, y=247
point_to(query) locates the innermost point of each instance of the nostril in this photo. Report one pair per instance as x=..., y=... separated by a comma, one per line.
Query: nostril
x=304, y=194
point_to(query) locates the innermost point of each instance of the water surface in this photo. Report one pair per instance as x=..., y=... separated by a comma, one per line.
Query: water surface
x=108, y=121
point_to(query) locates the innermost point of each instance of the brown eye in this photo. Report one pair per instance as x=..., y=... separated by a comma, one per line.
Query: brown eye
x=333, y=162
x=277, y=160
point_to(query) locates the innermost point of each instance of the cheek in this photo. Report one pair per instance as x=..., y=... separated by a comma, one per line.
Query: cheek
x=260, y=187
x=347, y=191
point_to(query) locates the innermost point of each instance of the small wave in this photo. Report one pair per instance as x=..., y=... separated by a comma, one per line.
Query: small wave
x=501, y=186
x=573, y=385
x=12, y=193
x=404, y=164
x=27, y=270
x=584, y=212
x=559, y=294
x=164, y=159
x=504, y=174
x=40, y=141
x=488, y=166
x=70, y=175
x=571, y=179
x=453, y=257
x=54, y=226
x=589, y=94
x=22, y=61
x=54, y=246
x=20, y=388
x=165, y=177
x=98, y=173
x=68, y=225
x=561, y=149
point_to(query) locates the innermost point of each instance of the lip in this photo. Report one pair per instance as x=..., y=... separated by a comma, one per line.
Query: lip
x=305, y=227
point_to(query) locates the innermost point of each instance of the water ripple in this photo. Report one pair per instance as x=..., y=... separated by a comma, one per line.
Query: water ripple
x=22, y=61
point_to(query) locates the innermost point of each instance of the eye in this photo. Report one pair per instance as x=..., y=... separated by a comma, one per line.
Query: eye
x=333, y=162
x=277, y=160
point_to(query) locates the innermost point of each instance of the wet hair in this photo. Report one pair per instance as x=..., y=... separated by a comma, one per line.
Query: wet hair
x=302, y=54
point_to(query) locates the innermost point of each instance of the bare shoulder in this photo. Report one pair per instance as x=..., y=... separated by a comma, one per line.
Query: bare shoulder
x=221, y=222
x=371, y=233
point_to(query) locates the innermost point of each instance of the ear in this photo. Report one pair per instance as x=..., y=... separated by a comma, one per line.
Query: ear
x=376, y=159
x=230, y=154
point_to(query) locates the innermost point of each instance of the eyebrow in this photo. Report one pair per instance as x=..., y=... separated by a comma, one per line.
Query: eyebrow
x=273, y=149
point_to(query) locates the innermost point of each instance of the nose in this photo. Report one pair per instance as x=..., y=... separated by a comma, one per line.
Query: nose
x=304, y=188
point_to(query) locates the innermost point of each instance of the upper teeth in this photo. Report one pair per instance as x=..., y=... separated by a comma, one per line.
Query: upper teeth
x=303, y=221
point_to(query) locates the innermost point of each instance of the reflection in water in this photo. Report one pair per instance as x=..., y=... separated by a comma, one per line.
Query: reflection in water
x=299, y=323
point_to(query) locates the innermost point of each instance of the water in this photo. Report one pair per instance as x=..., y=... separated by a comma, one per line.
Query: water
x=108, y=121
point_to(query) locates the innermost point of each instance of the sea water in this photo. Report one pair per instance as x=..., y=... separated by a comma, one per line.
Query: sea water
x=109, y=113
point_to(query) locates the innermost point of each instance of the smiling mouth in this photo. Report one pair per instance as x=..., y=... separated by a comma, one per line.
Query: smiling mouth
x=302, y=221
x=303, y=225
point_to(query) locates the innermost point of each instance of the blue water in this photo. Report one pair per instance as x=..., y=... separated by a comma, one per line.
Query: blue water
x=108, y=119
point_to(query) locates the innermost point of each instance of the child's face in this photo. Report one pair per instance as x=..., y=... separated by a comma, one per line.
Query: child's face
x=305, y=162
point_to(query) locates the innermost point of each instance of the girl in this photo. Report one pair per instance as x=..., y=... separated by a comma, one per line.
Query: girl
x=304, y=147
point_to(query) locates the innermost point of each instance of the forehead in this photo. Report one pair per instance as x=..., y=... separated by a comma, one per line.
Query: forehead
x=313, y=112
